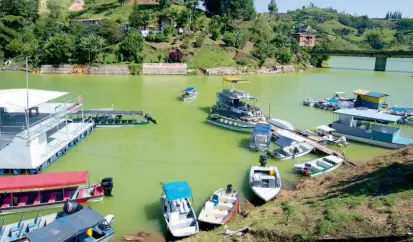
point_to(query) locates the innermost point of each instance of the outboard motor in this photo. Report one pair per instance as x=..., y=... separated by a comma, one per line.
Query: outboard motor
x=107, y=185
x=70, y=207
x=149, y=118
x=229, y=188
x=263, y=160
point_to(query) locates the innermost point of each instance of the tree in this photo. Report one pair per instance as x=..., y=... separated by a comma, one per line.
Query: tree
x=93, y=45
x=243, y=9
x=90, y=4
x=139, y=19
x=110, y=31
x=263, y=49
x=25, y=8
x=14, y=48
x=213, y=6
x=131, y=47
x=165, y=4
x=375, y=40
x=122, y=2
x=318, y=60
x=59, y=49
x=272, y=8
x=284, y=55
x=191, y=6
x=55, y=9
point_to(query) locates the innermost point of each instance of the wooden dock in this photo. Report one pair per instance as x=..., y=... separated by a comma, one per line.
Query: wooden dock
x=320, y=147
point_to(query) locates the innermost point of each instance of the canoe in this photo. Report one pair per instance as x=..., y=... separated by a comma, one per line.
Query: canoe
x=49, y=190
x=265, y=181
x=220, y=207
x=229, y=123
x=177, y=209
x=319, y=166
x=287, y=153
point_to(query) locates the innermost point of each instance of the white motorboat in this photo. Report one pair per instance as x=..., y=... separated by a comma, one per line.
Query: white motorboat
x=293, y=151
x=319, y=166
x=281, y=124
x=265, y=181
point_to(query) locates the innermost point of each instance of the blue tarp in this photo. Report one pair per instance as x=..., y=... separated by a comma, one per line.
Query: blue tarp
x=177, y=190
x=67, y=227
x=284, y=141
x=376, y=94
x=402, y=109
x=333, y=100
x=262, y=128
x=189, y=89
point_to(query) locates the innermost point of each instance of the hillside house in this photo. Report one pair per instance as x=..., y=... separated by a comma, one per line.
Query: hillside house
x=305, y=39
x=89, y=21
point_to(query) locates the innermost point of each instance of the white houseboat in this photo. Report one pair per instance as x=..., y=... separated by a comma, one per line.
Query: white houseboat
x=34, y=128
x=369, y=126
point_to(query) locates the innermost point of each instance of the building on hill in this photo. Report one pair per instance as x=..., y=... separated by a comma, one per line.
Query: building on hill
x=149, y=2
x=305, y=39
x=89, y=21
x=304, y=28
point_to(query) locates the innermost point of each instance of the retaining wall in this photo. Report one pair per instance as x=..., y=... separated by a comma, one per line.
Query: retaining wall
x=164, y=69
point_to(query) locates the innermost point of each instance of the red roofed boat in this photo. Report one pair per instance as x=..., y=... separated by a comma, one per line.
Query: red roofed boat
x=43, y=191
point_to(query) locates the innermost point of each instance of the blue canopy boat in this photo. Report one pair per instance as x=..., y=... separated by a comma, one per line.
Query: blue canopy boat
x=189, y=94
x=85, y=225
x=261, y=137
x=177, y=209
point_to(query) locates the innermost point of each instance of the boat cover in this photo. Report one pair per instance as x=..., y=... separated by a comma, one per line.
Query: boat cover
x=67, y=227
x=284, y=141
x=189, y=89
x=46, y=180
x=262, y=128
x=177, y=190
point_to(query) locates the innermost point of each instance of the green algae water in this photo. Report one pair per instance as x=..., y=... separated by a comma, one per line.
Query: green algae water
x=182, y=146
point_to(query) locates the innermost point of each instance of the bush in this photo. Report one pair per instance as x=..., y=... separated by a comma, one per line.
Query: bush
x=284, y=55
x=156, y=37
x=216, y=34
x=199, y=40
x=168, y=30
x=135, y=69
x=186, y=42
x=229, y=39
x=242, y=61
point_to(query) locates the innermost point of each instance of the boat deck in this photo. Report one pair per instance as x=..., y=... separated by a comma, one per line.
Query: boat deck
x=403, y=141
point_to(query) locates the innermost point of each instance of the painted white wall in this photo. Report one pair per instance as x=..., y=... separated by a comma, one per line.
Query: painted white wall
x=16, y=155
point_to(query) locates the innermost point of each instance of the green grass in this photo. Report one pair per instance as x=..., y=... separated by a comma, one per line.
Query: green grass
x=209, y=57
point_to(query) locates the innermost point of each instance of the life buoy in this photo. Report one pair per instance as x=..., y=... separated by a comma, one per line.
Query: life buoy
x=383, y=130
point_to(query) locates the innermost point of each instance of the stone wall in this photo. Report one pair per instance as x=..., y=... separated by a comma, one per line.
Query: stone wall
x=52, y=69
x=109, y=69
x=222, y=71
x=164, y=69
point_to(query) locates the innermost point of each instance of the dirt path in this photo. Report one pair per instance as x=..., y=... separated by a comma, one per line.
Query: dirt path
x=77, y=5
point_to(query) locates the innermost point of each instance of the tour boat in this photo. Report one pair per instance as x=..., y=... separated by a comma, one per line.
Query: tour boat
x=189, y=94
x=265, y=181
x=220, y=207
x=291, y=152
x=261, y=137
x=71, y=223
x=177, y=209
x=43, y=191
x=229, y=123
x=319, y=166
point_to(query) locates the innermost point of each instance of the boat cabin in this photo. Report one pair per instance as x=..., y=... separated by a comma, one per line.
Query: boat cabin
x=261, y=137
x=235, y=103
x=370, y=100
x=369, y=124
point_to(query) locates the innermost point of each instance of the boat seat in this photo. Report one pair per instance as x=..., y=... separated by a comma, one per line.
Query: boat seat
x=66, y=195
x=52, y=197
x=31, y=226
x=17, y=227
x=324, y=164
x=22, y=201
x=37, y=199
x=18, y=234
x=81, y=193
x=224, y=206
x=84, y=237
x=6, y=202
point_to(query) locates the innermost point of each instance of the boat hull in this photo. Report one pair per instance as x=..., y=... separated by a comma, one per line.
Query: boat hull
x=369, y=141
x=231, y=127
x=189, y=98
x=291, y=157
x=226, y=218
x=120, y=125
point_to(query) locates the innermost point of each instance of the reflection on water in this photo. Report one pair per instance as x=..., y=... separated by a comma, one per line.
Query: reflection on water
x=367, y=63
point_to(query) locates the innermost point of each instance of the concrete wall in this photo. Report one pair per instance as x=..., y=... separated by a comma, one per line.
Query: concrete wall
x=222, y=71
x=109, y=69
x=52, y=69
x=164, y=69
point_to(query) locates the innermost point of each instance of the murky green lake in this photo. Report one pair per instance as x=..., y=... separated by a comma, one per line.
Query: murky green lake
x=183, y=146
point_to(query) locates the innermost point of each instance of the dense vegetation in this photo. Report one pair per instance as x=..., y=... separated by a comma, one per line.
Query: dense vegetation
x=236, y=32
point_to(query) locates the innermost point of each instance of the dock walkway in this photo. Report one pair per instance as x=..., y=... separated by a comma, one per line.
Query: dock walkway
x=320, y=147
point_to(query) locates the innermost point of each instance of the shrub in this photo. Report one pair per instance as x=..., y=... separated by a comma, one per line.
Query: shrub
x=229, y=39
x=168, y=30
x=157, y=37
x=199, y=40
x=216, y=34
x=242, y=61
x=135, y=69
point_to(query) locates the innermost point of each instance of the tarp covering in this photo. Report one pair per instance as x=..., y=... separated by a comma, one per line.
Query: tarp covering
x=284, y=141
x=189, y=89
x=262, y=128
x=376, y=94
x=360, y=92
x=177, y=190
x=17, y=98
x=46, y=180
x=67, y=227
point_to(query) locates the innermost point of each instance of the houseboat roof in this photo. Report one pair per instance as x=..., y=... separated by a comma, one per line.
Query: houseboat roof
x=368, y=114
x=68, y=227
x=370, y=94
x=19, y=98
x=235, y=80
x=177, y=190
x=47, y=180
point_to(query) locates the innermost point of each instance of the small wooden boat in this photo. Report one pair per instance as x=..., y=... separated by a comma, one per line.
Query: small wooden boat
x=261, y=137
x=229, y=123
x=265, y=181
x=34, y=230
x=220, y=207
x=177, y=209
x=319, y=166
x=49, y=190
x=189, y=94
x=292, y=151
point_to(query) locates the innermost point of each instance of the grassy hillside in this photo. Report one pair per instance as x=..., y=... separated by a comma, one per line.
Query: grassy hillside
x=370, y=200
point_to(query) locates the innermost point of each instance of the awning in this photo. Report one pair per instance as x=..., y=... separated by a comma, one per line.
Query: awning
x=376, y=94
x=46, y=180
x=17, y=98
x=189, y=89
x=262, y=128
x=235, y=80
x=360, y=92
x=67, y=227
x=177, y=190
x=284, y=141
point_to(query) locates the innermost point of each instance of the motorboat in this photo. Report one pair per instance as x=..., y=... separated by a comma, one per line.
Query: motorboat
x=58, y=227
x=319, y=166
x=177, y=209
x=220, y=207
x=112, y=118
x=265, y=181
x=292, y=152
x=279, y=123
x=189, y=94
x=49, y=190
x=229, y=123
x=261, y=137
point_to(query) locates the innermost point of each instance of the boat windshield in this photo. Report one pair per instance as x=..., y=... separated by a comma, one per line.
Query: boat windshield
x=261, y=139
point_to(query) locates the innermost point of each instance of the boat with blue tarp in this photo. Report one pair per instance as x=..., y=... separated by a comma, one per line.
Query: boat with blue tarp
x=370, y=100
x=229, y=123
x=369, y=126
x=177, y=209
x=189, y=94
x=261, y=137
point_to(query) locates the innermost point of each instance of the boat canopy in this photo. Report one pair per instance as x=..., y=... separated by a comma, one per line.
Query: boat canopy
x=63, y=229
x=370, y=94
x=177, y=190
x=46, y=180
x=284, y=141
x=371, y=114
x=262, y=128
x=26, y=98
x=189, y=89
x=235, y=80
x=110, y=112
